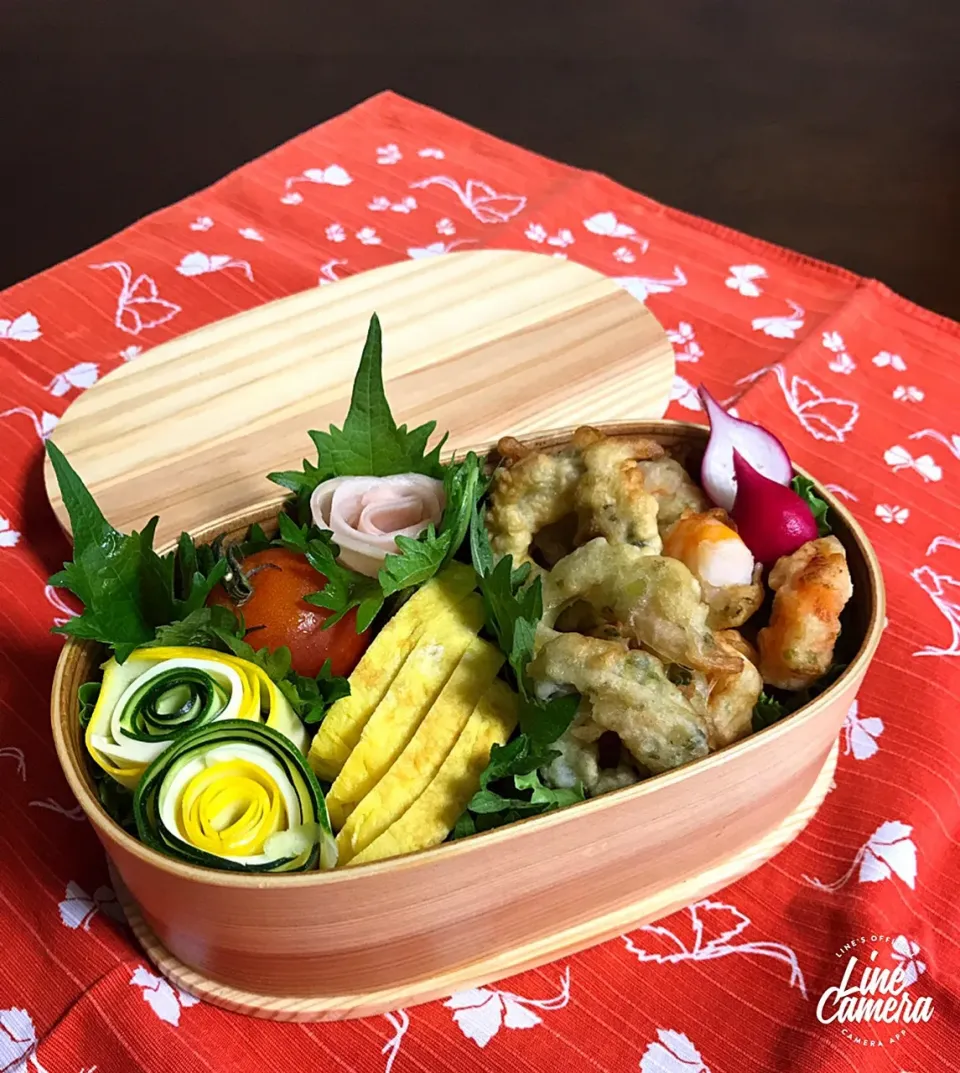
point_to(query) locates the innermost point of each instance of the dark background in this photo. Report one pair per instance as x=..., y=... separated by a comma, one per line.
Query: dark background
x=830, y=126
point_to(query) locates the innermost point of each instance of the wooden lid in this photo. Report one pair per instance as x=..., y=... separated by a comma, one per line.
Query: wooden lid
x=486, y=343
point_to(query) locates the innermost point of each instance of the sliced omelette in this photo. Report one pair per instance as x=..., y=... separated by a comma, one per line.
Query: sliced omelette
x=429, y=820
x=376, y=671
x=414, y=769
x=411, y=694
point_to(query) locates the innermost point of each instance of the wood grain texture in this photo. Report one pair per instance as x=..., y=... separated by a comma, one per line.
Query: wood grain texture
x=363, y=939
x=483, y=342
x=653, y=905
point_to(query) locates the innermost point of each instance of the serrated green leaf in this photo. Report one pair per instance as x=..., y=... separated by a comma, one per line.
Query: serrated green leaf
x=370, y=443
x=202, y=628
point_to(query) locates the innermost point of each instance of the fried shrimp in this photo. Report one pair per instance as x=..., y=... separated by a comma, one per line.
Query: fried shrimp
x=673, y=488
x=629, y=693
x=595, y=479
x=812, y=587
x=653, y=599
x=716, y=556
x=732, y=695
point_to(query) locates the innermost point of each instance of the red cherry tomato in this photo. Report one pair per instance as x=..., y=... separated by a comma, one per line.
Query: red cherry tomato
x=277, y=615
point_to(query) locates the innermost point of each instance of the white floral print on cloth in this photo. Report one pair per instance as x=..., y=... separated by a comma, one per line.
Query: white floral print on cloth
x=482, y=1012
x=743, y=280
x=24, y=328
x=11, y=752
x=784, y=326
x=199, y=264
x=9, y=537
x=898, y=458
x=332, y=175
x=165, y=1001
x=860, y=733
x=139, y=305
x=488, y=206
x=907, y=953
x=944, y=591
x=607, y=224
x=672, y=1052
x=18, y=1042
x=43, y=423
x=641, y=287
x=706, y=931
x=78, y=908
x=399, y=1021
x=684, y=340
x=79, y=376
x=889, y=852
x=825, y=417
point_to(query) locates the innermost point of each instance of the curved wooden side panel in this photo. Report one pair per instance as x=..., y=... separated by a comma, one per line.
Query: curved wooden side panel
x=558, y=944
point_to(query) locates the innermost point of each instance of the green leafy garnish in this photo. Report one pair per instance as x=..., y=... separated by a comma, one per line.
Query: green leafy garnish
x=370, y=443
x=344, y=588
x=311, y=697
x=803, y=486
x=203, y=628
x=126, y=588
x=510, y=788
x=513, y=609
x=767, y=711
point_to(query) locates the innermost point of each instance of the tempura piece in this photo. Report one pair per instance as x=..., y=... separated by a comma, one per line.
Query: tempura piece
x=729, y=577
x=673, y=488
x=812, y=587
x=653, y=599
x=536, y=490
x=732, y=695
x=580, y=761
x=630, y=694
x=611, y=500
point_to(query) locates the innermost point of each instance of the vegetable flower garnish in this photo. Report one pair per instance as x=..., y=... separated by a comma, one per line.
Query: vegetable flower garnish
x=160, y=694
x=235, y=795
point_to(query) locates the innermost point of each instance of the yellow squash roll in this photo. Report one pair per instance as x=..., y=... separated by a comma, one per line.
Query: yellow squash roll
x=429, y=820
x=414, y=769
x=159, y=694
x=417, y=685
x=374, y=674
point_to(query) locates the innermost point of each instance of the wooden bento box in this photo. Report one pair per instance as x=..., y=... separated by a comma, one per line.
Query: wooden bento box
x=394, y=933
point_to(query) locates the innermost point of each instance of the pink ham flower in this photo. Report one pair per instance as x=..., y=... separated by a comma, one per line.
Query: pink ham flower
x=366, y=514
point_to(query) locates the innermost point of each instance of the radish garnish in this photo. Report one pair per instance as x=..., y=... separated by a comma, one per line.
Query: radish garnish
x=765, y=453
x=772, y=520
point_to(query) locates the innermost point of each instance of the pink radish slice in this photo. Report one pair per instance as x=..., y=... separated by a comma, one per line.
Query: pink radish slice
x=772, y=520
x=765, y=453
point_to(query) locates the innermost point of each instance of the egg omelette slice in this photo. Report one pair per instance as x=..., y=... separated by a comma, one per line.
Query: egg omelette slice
x=429, y=820
x=411, y=694
x=374, y=674
x=414, y=769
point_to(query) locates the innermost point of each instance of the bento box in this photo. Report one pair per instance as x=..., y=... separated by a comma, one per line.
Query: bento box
x=392, y=933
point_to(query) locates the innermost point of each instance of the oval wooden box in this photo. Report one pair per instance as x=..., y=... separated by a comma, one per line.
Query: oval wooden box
x=395, y=933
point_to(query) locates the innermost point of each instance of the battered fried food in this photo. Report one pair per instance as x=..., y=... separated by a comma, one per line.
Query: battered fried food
x=595, y=478
x=812, y=587
x=611, y=500
x=673, y=488
x=732, y=695
x=629, y=693
x=579, y=760
x=653, y=599
x=709, y=546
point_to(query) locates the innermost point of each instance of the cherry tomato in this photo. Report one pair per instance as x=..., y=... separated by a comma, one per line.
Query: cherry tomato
x=277, y=615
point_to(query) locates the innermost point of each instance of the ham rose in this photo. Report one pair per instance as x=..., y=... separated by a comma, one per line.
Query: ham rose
x=367, y=514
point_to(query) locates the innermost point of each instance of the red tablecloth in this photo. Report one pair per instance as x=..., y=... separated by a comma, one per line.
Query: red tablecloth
x=857, y=382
